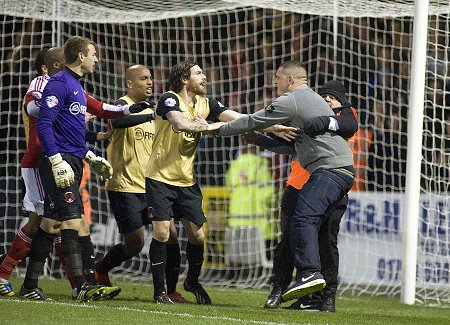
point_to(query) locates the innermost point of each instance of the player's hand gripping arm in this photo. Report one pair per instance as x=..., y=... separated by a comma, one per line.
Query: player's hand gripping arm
x=211, y=128
x=181, y=123
x=62, y=172
x=99, y=165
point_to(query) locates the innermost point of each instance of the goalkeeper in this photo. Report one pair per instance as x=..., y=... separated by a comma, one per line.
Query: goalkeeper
x=53, y=62
x=61, y=129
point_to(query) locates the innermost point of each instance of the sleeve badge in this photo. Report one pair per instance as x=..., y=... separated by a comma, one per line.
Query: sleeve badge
x=270, y=108
x=51, y=101
x=170, y=102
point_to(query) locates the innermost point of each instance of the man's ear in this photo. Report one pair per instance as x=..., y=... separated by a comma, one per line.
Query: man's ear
x=291, y=80
x=129, y=84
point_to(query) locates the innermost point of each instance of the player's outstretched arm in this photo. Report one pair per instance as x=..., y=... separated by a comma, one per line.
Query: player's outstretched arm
x=211, y=128
x=180, y=123
x=109, y=111
x=132, y=120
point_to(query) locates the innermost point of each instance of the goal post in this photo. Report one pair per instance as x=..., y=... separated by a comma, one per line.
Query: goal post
x=415, y=118
x=368, y=45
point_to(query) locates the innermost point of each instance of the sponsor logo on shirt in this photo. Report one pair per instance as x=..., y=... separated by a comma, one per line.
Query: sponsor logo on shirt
x=76, y=108
x=170, y=102
x=140, y=134
x=51, y=101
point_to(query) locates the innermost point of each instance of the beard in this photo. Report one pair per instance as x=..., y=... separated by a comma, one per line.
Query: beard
x=196, y=88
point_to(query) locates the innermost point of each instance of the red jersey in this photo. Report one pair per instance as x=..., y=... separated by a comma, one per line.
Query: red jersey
x=34, y=93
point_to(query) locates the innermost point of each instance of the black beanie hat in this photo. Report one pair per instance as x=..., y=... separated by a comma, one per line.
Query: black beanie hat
x=335, y=88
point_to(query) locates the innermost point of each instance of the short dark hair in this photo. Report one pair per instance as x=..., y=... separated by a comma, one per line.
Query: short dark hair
x=75, y=45
x=296, y=68
x=180, y=71
x=39, y=62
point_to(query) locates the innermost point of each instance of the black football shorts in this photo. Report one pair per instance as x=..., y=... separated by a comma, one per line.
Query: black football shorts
x=165, y=201
x=130, y=210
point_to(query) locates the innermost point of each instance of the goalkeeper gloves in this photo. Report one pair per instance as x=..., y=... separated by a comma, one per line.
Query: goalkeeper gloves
x=316, y=125
x=62, y=172
x=99, y=165
x=139, y=107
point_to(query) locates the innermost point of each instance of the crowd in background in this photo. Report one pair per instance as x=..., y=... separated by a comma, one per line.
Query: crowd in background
x=239, y=51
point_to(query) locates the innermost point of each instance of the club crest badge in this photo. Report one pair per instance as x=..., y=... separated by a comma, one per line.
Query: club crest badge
x=69, y=197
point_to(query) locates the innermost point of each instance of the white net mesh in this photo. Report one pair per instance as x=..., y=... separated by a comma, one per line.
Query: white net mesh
x=122, y=11
x=366, y=45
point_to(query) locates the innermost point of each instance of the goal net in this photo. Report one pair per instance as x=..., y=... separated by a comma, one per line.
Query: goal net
x=365, y=44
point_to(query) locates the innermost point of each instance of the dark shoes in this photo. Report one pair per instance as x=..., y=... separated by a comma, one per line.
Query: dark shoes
x=311, y=303
x=163, y=299
x=201, y=295
x=274, y=299
x=33, y=294
x=305, y=285
x=329, y=302
x=319, y=301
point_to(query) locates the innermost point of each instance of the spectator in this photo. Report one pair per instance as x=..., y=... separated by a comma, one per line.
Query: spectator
x=252, y=193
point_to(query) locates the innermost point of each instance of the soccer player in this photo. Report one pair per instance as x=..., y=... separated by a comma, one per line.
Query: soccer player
x=61, y=129
x=46, y=64
x=326, y=157
x=170, y=180
x=53, y=63
x=33, y=201
x=129, y=151
x=344, y=124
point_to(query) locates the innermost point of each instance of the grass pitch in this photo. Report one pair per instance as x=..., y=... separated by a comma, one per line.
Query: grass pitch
x=230, y=306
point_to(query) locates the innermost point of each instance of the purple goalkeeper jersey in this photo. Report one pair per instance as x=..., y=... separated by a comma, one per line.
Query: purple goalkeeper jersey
x=61, y=122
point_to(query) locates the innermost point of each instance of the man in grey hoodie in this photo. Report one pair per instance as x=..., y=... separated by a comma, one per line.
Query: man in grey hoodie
x=326, y=157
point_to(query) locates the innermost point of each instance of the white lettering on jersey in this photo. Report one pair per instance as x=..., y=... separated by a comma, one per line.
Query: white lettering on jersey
x=76, y=108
